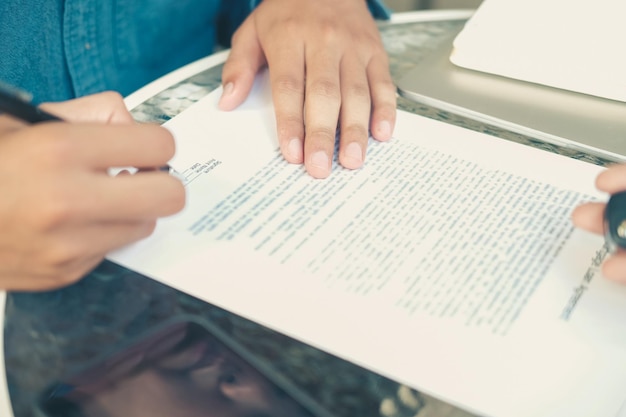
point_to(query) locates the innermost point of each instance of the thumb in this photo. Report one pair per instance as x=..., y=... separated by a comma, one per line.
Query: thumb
x=245, y=59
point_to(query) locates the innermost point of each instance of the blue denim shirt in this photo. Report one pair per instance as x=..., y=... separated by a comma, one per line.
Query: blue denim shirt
x=59, y=49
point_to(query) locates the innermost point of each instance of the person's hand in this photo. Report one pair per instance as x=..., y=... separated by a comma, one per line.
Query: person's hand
x=590, y=216
x=328, y=52
x=60, y=210
x=107, y=108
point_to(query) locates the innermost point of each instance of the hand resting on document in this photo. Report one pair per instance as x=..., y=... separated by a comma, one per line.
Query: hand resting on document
x=60, y=210
x=328, y=67
x=590, y=216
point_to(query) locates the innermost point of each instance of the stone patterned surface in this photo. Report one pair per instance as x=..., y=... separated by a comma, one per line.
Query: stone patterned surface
x=51, y=334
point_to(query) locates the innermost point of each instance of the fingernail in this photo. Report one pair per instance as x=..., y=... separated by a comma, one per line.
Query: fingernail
x=294, y=150
x=320, y=160
x=354, y=152
x=384, y=129
x=228, y=89
x=226, y=93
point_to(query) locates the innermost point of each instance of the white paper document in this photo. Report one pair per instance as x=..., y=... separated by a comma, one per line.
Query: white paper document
x=448, y=262
x=575, y=45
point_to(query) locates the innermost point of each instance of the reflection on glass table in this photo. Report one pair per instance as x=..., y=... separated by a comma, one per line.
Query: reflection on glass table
x=184, y=368
x=60, y=343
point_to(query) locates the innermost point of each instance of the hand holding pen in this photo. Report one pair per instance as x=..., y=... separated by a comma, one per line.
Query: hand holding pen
x=60, y=211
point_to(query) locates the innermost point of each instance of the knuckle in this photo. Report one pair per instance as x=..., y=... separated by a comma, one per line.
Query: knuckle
x=385, y=105
x=237, y=35
x=368, y=45
x=61, y=256
x=354, y=131
x=287, y=84
x=378, y=61
x=163, y=142
x=360, y=91
x=233, y=67
x=289, y=120
x=329, y=32
x=322, y=133
x=324, y=87
x=289, y=125
x=54, y=212
x=175, y=198
x=384, y=94
x=292, y=26
x=387, y=86
x=376, y=48
x=55, y=151
x=113, y=98
x=113, y=102
x=288, y=28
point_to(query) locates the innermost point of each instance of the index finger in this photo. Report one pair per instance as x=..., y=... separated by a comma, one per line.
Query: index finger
x=612, y=180
x=286, y=68
x=103, y=146
x=590, y=217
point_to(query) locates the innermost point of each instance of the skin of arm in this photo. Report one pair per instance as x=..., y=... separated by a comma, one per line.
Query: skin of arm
x=328, y=68
x=61, y=211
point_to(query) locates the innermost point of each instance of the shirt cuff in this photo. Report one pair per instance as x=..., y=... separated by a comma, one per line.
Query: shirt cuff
x=377, y=7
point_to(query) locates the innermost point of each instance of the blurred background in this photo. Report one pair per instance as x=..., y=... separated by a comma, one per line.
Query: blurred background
x=406, y=5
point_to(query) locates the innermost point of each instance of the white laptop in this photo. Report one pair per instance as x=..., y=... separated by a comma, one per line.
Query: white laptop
x=583, y=122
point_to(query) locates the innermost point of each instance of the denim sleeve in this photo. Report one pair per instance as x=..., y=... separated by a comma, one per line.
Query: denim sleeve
x=378, y=9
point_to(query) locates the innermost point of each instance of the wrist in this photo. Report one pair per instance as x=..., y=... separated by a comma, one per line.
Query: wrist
x=377, y=7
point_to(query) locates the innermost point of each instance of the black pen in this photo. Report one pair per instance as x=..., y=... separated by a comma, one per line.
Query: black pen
x=19, y=104
x=615, y=222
